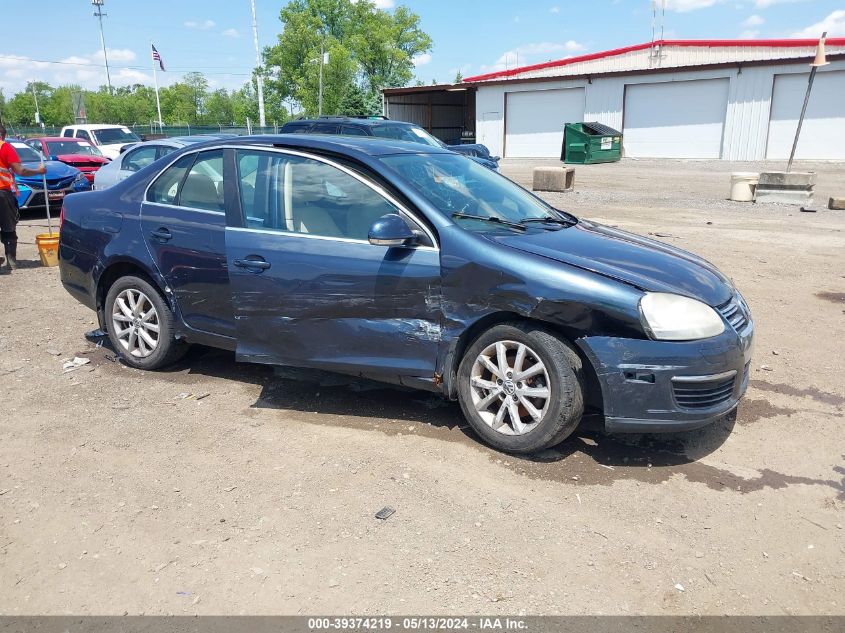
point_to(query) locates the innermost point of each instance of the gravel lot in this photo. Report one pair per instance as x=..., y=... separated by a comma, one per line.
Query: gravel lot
x=222, y=488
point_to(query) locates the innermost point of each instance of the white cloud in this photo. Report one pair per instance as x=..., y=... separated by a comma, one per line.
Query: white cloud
x=834, y=24
x=749, y=34
x=685, y=6
x=765, y=4
x=87, y=71
x=231, y=33
x=421, y=60
x=532, y=53
x=753, y=20
x=554, y=10
x=385, y=4
x=206, y=25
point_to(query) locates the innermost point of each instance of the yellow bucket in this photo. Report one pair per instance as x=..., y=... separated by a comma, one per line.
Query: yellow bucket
x=48, y=248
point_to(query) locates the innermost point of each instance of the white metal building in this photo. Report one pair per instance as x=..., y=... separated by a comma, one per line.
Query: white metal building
x=729, y=99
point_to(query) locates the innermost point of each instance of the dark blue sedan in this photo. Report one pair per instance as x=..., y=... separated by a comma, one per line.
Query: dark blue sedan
x=410, y=265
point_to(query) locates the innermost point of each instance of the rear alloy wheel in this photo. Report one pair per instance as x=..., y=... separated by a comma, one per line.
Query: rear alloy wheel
x=140, y=324
x=521, y=388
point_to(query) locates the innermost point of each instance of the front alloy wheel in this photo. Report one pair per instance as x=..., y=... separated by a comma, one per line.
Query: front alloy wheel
x=521, y=387
x=510, y=387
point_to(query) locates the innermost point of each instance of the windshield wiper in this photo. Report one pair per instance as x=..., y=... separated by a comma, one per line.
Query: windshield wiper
x=489, y=218
x=550, y=220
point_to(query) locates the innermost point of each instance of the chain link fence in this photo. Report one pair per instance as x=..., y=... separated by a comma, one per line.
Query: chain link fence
x=151, y=131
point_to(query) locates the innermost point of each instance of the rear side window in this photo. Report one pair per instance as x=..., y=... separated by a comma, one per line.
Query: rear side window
x=203, y=185
x=83, y=134
x=68, y=133
x=293, y=128
x=325, y=128
x=351, y=130
x=137, y=159
x=166, y=187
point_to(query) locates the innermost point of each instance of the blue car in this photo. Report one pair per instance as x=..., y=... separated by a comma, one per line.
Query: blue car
x=411, y=265
x=62, y=179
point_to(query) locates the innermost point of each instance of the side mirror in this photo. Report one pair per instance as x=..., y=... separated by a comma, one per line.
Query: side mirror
x=53, y=157
x=391, y=230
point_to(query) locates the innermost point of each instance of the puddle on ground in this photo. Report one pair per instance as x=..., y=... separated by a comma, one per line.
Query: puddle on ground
x=833, y=297
x=751, y=410
x=809, y=392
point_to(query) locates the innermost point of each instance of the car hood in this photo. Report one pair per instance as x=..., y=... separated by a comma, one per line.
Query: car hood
x=646, y=264
x=56, y=170
x=82, y=158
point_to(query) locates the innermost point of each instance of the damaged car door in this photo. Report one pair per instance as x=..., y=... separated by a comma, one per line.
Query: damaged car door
x=308, y=287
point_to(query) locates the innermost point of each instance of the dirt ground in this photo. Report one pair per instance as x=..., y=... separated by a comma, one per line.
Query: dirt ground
x=222, y=488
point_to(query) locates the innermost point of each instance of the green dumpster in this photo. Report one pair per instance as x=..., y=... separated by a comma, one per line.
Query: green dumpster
x=588, y=143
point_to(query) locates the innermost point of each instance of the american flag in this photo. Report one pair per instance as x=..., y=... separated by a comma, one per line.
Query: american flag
x=157, y=57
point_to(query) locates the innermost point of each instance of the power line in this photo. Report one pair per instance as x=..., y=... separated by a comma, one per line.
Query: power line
x=94, y=65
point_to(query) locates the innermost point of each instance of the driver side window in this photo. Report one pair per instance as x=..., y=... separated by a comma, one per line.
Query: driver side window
x=294, y=194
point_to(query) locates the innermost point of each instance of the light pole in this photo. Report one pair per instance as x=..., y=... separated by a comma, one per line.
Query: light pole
x=322, y=59
x=98, y=13
x=820, y=60
x=259, y=80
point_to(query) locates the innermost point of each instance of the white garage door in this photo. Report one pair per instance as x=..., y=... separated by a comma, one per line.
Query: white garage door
x=823, y=131
x=535, y=119
x=678, y=119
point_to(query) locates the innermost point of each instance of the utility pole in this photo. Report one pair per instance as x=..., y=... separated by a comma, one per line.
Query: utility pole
x=259, y=79
x=98, y=13
x=322, y=58
x=820, y=60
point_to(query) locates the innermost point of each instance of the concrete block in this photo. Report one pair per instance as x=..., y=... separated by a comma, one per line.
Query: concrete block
x=836, y=203
x=788, y=188
x=554, y=179
x=790, y=179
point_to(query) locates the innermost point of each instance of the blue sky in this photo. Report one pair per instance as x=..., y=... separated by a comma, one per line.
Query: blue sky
x=475, y=36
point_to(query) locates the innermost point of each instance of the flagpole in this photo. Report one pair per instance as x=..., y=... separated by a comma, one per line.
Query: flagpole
x=155, y=81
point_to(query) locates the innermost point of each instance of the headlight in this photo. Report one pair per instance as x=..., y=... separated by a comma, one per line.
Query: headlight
x=669, y=317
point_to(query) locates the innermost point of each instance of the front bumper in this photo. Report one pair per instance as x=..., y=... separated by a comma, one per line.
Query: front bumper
x=663, y=386
x=35, y=199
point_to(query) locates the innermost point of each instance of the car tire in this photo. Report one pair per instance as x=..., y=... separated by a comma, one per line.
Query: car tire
x=555, y=393
x=134, y=303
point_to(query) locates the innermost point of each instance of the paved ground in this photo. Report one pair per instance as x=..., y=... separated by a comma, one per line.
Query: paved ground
x=123, y=491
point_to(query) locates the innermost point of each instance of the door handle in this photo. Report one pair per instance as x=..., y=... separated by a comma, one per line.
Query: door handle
x=260, y=264
x=163, y=234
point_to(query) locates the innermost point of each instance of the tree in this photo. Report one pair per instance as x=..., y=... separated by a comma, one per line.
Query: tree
x=218, y=108
x=357, y=102
x=459, y=77
x=369, y=48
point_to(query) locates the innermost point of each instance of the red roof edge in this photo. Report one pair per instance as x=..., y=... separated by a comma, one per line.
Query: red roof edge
x=835, y=41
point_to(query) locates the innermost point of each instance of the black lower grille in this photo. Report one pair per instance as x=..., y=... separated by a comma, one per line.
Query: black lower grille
x=702, y=394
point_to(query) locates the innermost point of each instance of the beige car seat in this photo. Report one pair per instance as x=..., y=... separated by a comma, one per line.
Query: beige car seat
x=300, y=218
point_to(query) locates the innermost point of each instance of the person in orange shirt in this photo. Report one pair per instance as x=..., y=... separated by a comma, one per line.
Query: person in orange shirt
x=10, y=164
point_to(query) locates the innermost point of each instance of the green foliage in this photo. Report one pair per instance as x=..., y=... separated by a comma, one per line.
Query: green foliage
x=459, y=77
x=369, y=49
x=357, y=102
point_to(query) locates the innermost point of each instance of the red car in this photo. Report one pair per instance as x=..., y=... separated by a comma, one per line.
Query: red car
x=76, y=152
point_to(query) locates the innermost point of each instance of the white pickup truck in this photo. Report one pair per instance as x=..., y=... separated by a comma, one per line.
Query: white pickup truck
x=109, y=138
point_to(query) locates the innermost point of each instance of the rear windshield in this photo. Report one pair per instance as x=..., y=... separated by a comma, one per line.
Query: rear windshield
x=26, y=153
x=57, y=148
x=406, y=133
x=110, y=135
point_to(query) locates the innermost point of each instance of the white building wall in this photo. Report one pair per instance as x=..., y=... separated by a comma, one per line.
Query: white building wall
x=746, y=121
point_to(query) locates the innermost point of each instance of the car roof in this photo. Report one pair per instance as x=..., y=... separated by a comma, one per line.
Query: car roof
x=368, y=145
x=365, y=121
x=57, y=139
x=92, y=126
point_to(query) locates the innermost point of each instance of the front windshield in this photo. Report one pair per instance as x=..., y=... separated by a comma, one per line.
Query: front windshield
x=409, y=133
x=111, y=135
x=57, y=148
x=458, y=186
x=26, y=153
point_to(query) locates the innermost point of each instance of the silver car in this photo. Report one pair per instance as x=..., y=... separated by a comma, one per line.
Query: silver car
x=136, y=157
